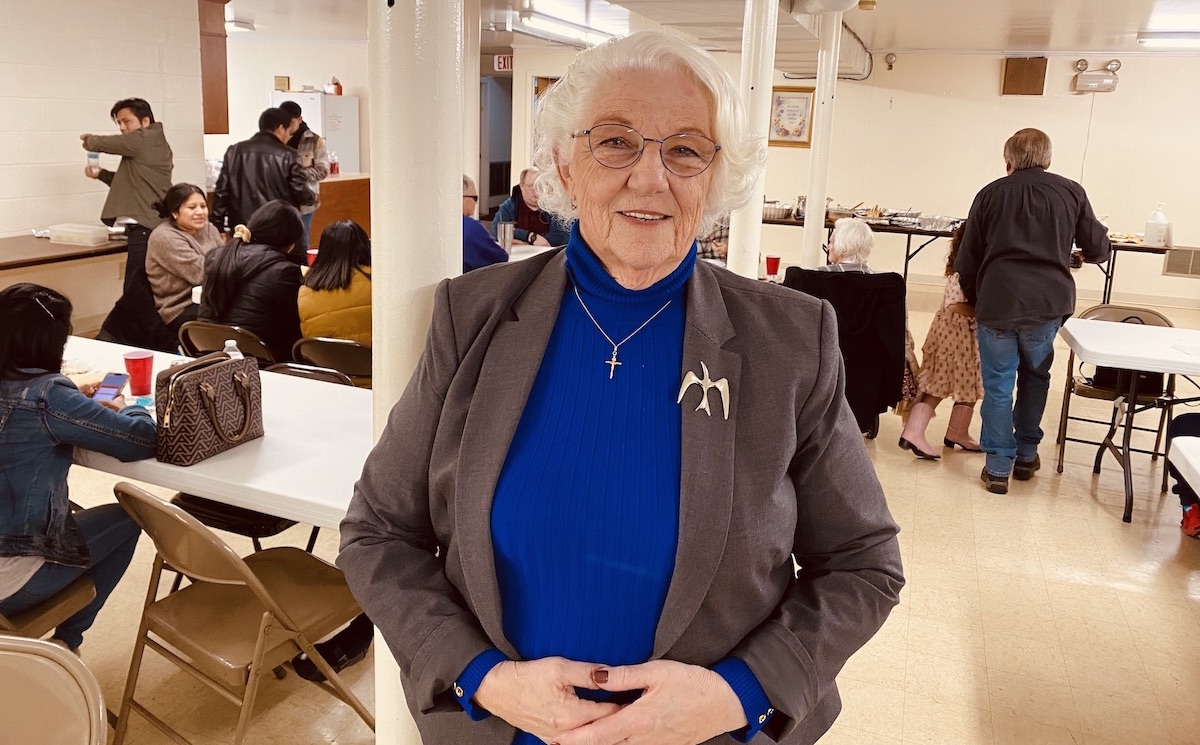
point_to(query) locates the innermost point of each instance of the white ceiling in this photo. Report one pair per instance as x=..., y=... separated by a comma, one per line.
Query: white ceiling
x=959, y=26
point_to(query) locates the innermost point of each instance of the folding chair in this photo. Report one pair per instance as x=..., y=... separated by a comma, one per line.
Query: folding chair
x=239, y=620
x=40, y=620
x=1097, y=389
x=49, y=695
x=347, y=357
x=203, y=337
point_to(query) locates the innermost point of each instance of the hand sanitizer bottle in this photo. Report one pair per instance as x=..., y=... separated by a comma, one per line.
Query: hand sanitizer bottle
x=1158, y=228
x=93, y=162
x=231, y=349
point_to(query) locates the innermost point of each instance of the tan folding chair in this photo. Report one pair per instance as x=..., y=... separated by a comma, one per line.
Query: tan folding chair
x=49, y=695
x=41, y=619
x=347, y=357
x=239, y=620
x=323, y=374
x=1084, y=387
x=203, y=337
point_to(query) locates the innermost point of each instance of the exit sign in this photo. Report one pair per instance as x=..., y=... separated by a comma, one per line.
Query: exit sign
x=502, y=63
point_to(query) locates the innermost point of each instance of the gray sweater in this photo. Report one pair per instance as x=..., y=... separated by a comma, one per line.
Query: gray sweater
x=175, y=264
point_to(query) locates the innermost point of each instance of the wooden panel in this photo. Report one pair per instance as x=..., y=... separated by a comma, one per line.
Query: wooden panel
x=348, y=199
x=214, y=67
x=1024, y=76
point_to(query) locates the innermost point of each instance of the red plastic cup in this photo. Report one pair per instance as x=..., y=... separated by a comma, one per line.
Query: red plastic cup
x=772, y=266
x=312, y=255
x=139, y=365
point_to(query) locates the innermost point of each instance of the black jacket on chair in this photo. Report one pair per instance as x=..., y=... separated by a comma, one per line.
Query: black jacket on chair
x=261, y=294
x=254, y=172
x=870, y=315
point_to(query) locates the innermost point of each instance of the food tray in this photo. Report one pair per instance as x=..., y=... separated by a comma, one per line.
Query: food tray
x=79, y=235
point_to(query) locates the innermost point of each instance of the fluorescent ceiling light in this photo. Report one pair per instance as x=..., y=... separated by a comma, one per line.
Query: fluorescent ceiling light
x=1169, y=39
x=557, y=29
x=238, y=25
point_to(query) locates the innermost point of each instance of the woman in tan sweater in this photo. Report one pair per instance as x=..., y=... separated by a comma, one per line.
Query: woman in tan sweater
x=175, y=255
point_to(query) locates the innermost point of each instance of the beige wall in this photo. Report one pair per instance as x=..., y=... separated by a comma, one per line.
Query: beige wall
x=253, y=64
x=929, y=134
x=62, y=66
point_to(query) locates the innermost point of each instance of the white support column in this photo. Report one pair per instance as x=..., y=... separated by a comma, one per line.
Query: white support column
x=470, y=89
x=759, y=25
x=830, y=35
x=416, y=55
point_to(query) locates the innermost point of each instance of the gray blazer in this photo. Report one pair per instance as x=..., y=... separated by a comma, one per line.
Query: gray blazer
x=786, y=475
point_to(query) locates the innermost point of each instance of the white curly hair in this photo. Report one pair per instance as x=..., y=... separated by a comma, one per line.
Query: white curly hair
x=562, y=108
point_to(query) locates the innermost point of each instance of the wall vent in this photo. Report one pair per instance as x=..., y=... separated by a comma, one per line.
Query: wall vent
x=1182, y=262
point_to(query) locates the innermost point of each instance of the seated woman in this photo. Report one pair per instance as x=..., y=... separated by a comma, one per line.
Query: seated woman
x=252, y=283
x=175, y=255
x=335, y=299
x=849, y=247
x=43, y=417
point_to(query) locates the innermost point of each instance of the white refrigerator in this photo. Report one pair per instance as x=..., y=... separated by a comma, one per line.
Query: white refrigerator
x=333, y=117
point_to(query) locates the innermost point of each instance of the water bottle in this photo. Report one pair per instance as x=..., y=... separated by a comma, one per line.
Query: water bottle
x=231, y=349
x=93, y=161
x=1158, y=228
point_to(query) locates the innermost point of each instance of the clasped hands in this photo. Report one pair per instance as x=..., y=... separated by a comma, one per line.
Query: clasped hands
x=680, y=704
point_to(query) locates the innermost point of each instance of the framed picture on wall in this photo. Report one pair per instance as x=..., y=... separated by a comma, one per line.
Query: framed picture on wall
x=791, y=116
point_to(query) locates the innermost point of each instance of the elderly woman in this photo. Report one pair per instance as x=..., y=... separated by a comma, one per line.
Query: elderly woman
x=175, y=255
x=849, y=247
x=580, y=522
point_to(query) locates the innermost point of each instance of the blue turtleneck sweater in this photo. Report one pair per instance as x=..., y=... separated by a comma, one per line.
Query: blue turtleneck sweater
x=585, y=519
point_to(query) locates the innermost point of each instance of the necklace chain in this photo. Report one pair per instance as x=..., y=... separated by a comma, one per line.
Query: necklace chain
x=612, y=362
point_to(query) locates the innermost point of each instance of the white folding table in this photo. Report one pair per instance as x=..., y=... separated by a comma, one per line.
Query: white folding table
x=1132, y=346
x=317, y=436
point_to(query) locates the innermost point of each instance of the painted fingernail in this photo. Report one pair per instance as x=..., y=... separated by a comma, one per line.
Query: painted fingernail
x=600, y=676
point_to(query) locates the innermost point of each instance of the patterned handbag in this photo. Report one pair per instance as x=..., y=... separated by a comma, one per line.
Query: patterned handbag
x=207, y=406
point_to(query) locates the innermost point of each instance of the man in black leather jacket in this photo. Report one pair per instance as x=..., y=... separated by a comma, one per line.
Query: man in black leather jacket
x=259, y=170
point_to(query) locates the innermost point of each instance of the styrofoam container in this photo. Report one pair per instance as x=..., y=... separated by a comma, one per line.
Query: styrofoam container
x=79, y=235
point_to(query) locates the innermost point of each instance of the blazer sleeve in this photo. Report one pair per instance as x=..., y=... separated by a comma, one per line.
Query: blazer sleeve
x=128, y=145
x=389, y=550
x=845, y=544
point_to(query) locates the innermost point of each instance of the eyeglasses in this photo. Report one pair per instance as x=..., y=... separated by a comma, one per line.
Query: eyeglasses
x=472, y=197
x=619, y=146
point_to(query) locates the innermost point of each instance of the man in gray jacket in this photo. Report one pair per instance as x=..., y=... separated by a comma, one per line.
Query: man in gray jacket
x=141, y=179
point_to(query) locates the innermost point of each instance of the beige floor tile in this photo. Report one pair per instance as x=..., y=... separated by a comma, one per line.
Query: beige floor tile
x=840, y=734
x=947, y=638
x=883, y=667
x=1153, y=615
x=875, y=709
x=1029, y=699
x=946, y=680
x=1008, y=730
x=1106, y=669
x=1040, y=659
x=931, y=722
x=1125, y=718
x=1182, y=720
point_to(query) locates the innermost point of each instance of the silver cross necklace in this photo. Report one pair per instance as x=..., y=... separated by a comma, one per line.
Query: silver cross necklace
x=612, y=362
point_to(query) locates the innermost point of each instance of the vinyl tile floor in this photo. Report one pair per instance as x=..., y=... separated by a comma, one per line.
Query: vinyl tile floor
x=1033, y=618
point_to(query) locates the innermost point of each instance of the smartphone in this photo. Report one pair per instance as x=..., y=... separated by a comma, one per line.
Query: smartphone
x=111, y=387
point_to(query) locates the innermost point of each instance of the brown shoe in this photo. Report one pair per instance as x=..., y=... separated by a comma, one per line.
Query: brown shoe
x=995, y=484
x=1024, y=469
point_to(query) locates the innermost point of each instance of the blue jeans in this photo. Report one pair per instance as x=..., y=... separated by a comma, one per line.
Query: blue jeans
x=1019, y=358
x=111, y=537
x=305, y=242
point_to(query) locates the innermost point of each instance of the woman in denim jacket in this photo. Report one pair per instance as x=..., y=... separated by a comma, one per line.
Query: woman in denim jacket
x=43, y=417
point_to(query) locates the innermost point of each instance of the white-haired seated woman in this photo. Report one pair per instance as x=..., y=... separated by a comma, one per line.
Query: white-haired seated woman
x=579, y=524
x=849, y=247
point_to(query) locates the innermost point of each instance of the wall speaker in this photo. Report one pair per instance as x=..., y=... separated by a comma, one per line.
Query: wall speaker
x=1024, y=76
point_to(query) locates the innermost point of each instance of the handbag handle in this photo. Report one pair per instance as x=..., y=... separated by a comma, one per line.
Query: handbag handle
x=242, y=382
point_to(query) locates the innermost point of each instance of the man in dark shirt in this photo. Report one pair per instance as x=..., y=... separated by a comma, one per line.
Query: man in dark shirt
x=1014, y=267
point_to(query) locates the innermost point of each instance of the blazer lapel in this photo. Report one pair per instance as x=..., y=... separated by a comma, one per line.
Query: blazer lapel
x=505, y=378
x=706, y=480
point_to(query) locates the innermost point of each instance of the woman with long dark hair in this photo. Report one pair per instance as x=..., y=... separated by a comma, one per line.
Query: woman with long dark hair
x=175, y=256
x=335, y=299
x=252, y=283
x=43, y=418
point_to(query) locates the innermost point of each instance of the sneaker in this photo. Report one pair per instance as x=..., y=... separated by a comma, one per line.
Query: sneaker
x=995, y=484
x=346, y=648
x=1024, y=469
x=1191, y=521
